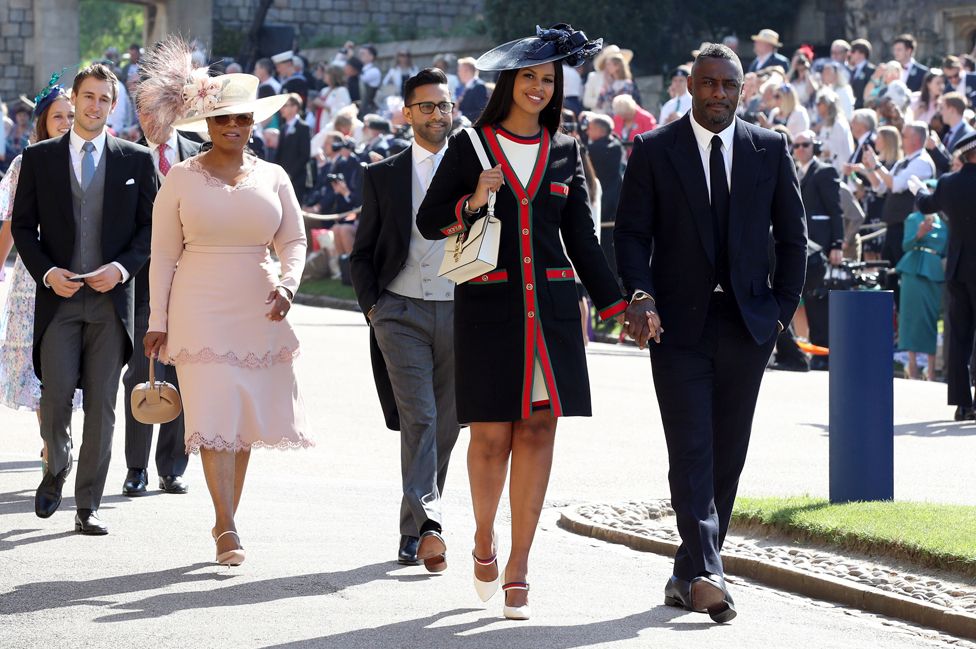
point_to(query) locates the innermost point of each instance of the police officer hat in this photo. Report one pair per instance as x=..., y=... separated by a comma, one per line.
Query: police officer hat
x=968, y=143
x=559, y=42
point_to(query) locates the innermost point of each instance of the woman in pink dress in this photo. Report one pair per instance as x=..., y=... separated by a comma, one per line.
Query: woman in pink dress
x=218, y=305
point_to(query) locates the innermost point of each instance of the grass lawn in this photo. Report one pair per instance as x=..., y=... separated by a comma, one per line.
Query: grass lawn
x=329, y=287
x=934, y=535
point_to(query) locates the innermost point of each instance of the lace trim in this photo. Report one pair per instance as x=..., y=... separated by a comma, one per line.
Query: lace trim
x=252, y=361
x=249, y=179
x=198, y=441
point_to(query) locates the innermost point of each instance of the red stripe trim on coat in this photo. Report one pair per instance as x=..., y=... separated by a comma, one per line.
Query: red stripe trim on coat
x=493, y=277
x=557, y=274
x=559, y=189
x=617, y=307
x=458, y=225
x=541, y=165
x=548, y=375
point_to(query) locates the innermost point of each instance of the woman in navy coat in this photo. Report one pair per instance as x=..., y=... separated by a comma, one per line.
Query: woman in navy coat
x=519, y=358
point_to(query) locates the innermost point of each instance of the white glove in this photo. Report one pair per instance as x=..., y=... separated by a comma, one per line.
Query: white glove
x=915, y=185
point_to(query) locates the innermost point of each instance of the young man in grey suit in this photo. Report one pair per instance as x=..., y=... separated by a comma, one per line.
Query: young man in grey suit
x=97, y=223
x=171, y=458
x=411, y=313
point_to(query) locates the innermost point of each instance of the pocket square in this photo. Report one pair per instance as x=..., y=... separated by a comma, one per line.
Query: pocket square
x=130, y=181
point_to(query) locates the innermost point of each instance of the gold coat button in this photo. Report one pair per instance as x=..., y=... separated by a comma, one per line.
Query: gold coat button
x=484, y=278
x=564, y=273
x=528, y=287
x=525, y=231
x=525, y=201
x=531, y=314
x=528, y=260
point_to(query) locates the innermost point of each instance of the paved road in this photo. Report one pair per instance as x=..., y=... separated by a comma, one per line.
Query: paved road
x=320, y=528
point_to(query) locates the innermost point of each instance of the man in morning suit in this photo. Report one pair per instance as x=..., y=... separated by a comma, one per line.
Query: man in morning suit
x=171, y=458
x=820, y=192
x=411, y=314
x=861, y=69
x=98, y=224
x=766, y=46
x=954, y=196
x=912, y=72
x=294, y=145
x=702, y=193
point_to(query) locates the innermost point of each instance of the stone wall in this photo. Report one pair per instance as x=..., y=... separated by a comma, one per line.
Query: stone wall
x=326, y=22
x=16, y=37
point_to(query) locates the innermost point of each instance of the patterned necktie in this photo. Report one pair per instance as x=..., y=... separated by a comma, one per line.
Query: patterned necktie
x=163, y=161
x=87, y=164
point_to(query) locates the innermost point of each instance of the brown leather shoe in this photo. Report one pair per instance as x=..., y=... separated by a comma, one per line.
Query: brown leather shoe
x=432, y=550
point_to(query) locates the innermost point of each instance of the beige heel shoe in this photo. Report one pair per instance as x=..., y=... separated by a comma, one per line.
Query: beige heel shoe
x=233, y=557
x=486, y=589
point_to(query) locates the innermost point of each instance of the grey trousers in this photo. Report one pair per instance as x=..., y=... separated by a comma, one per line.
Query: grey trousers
x=171, y=457
x=417, y=341
x=85, y=341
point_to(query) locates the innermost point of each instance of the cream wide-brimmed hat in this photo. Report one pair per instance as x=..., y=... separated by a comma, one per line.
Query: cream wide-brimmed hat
x=768, y=36
x=227, y=94
x=612, y=50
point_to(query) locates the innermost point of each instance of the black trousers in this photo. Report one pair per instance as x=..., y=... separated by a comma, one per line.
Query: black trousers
x=962, y=327
x=707, y=396
x=171, y=457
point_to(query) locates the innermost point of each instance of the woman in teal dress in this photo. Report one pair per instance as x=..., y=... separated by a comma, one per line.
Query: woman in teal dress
x=922, y=280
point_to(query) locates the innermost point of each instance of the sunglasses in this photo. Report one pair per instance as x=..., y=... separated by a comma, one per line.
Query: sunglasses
x=243, y=119
x=802, y=145
x=427, y=107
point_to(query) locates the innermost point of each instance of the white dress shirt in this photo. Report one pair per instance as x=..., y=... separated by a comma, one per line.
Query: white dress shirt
x=572, y=82
x=704, y=138
x=74, y=149
x=907, y=69
x=677, y=105
x=171, y=152
x=918, y=164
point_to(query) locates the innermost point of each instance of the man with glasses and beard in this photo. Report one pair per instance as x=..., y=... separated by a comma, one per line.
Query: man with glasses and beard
x=411, y=315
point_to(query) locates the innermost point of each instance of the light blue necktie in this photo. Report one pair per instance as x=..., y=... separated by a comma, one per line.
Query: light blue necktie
x=87, y=164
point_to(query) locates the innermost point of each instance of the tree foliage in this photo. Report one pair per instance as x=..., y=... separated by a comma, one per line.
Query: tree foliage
x=105, y=23
x=662, y=34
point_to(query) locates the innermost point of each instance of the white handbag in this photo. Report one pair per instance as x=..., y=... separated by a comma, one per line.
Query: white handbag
x=474, y=252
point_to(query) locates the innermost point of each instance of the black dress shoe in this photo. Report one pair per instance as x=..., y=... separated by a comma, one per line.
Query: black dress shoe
x=677, y=593
x=47, y=499
x=709, y=594
x=407, y=556
x=964, y=414
x=88, y=522
x=136, y=483
x=173, y=484
x=820, y=364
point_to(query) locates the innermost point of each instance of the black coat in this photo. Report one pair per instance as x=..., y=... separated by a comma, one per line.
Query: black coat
x=528, y=306
x=664, y=208
x=44, y=224
x=185, y=149
x=294, y=151
x=916, y=74
x=955, y=196
x=860, y=82
x=607, y=156
x=380, y=252
x=820, y=191
x=473, y=100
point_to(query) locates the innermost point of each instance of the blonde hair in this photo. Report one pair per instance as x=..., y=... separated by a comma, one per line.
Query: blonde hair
x=888, y=141
x=624, y=66
x=470, y=62
x=789, y=100
x=624, y=104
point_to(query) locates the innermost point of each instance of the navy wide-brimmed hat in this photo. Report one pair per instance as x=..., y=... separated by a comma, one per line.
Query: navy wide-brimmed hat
x=559, y=42
x=965, y=144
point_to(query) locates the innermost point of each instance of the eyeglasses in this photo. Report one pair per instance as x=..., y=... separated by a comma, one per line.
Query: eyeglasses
x=242, y=119
x=802, y=145
x=427, y=107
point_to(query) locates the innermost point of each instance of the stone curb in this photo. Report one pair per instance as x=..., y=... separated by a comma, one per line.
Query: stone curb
x=326, y=301
x=822, y=587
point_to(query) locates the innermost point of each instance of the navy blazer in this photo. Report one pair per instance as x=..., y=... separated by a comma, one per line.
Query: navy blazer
x=820, y=191
x=473, y=100
x=774, y=60
x=916, y=74
x=664, y=208
x=44, y=228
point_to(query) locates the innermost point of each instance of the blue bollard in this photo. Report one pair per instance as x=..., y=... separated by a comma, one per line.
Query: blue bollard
x=862, y=431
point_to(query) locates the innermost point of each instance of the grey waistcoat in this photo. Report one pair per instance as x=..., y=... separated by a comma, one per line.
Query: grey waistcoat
x=87, y=208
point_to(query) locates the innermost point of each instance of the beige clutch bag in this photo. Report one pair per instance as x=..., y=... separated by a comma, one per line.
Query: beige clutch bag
x=155, y=402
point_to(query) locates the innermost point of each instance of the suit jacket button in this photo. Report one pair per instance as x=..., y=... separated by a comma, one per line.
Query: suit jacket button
x=525, y=201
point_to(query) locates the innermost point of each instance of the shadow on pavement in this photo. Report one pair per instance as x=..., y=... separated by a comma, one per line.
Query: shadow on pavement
x=934, y=428
x=7, y=544
x=22, y=502
x=21, y=466
x=513, y=634
x=246, y=594
x=46, y=595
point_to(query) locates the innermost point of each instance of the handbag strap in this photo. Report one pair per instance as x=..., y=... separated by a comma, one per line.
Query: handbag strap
x=152, y=372
x=479, y=149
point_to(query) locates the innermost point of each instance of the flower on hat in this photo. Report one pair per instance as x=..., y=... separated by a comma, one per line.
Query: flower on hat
x=202, y=92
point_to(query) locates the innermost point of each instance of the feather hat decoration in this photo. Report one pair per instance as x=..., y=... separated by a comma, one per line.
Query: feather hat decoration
x=164, y=70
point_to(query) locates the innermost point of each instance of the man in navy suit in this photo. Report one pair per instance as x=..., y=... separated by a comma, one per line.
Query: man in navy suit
x=860, y=69
x=766, y=45
x=913, y=72
x=473, y=92
x=703, y=193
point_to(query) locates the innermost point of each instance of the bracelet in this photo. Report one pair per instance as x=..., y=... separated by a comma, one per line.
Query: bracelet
x=468, y=210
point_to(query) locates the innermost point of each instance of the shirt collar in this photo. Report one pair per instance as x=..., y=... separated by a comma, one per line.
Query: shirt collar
x=171, y=142
x=420, y=154
x=77, y=142
x=704, y=136
x=864, y=138
x=804, y=168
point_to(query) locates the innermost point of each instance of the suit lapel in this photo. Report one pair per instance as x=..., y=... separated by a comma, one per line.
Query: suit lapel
x=809, y=174
x=686, y=158
x=746, y=165
x=402, y=168
x=61, y=176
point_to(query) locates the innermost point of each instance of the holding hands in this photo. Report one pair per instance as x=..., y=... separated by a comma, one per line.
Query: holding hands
x=641, y=320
